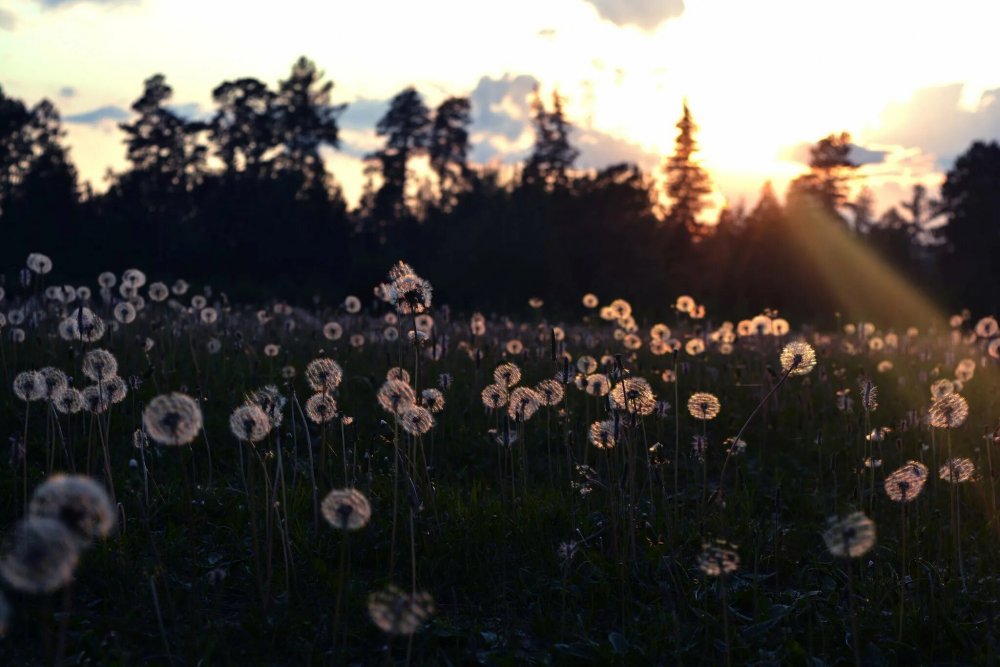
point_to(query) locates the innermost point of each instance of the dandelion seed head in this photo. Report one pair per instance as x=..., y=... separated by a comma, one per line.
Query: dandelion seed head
x=523, y=403
x=905, y=484
x=633, y=394
x=321, y=408
x=346, y=509
x=80, y=503
x=395, y=396
x=798, y=358
x=957, y=470
x=40, y=556
x=324, y=374
x=603, y=434
x=249, y=423
x=704, y=406
x=851, y=536
x=395, y=612
x=172, y=419
x=949, y=411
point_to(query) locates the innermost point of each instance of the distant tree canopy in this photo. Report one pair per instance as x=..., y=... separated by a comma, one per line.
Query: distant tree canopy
x=242, y=198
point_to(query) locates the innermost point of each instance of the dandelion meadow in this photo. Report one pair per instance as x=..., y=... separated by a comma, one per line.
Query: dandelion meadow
x=566, y=333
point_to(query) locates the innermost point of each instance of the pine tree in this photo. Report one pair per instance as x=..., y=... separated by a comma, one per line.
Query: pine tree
x=553, y=156
x=688, y=183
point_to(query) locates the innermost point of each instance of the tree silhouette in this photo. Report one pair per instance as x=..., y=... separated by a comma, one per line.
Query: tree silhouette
x=553, y=156
x=449, y=148
x=244, y=128
x=305, y=120
x=970, y=197
x=830, y=169
x=688, y=183
x=406, y=127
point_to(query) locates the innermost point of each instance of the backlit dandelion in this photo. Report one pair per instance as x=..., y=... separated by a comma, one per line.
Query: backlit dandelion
x=324, y=374
x=416, y=420
x=432, y=399
x=99, y=365
x=718, y=558
x=906, y=483
x=68, y=401
x=271, y=401
x=321, y=408
x=603, y=434
x=850, y=537
x=798, y=358
x=249, y=423
x=172, y=419
x=634, y=395
x=523, y=403
x=80, y=503
x=395, y=612
x=395, y=396
x=40, y=556
x=346, y=509
x=704, y=406
x=552, y=392
x=949, y=411
x=332, y=331
x=494, y=396
x=29, y=386
x=507, y=375
x=957, y=470
x=597, y=384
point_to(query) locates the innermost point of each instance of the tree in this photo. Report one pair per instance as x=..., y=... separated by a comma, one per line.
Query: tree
x=244, y=128
x=449, y=148
x=15, y=147
x=553, y=156
x=406, y=127
x=305, y=120
x=688, y=183
x=970, y=197
x=830, y=169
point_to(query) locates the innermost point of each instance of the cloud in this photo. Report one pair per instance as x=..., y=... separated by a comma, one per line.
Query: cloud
x=859, y=155
x=189, y=111
x=67, y=92
x=934, y=121
x=644, y=14
x=8, y=21
x=99, y=115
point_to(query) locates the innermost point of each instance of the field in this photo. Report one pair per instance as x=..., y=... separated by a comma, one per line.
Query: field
x=609, y=487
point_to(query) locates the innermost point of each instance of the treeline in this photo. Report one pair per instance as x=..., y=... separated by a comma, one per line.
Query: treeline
x=244, y=201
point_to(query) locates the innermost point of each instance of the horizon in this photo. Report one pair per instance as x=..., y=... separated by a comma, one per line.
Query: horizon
x=623, y=94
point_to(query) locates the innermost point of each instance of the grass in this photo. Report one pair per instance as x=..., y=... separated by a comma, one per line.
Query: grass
x=200, y=572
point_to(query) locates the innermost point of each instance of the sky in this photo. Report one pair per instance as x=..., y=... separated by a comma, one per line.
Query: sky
x=914, y=82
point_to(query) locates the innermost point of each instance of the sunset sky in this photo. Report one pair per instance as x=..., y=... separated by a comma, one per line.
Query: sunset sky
x=913, y=82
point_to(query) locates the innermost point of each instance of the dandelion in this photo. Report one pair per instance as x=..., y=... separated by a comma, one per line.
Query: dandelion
x=321, y=408
x=590, y=300
x=514, y=347
x=850, y=537
x=346, y=509
x=40, y=556
x=718, y=559
x=68, y=401
x=906, y=483
x=29, y=386
x=942, y=388
x=96, y=399
x=694, y=347
x=125, y=312
x=99, y=365
x=332, y=331
x=416, y=420
x=586, y=364
x=39, y=263
x=603, y=434
x=249, y=423
x=271, y=350
x=507, y=375
x=552, y=392
x=399, y=613
x=798, y=358
x=79, y=502
x=324, y=374
x=494, y=396
x=598, y=384
x=957, y=470
x=395, y=396
x=704, y=406
x=949, y=411
x=433, y=400
x=397, y=373
x=633, y=395
x=172, y=419
x=523, y=404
